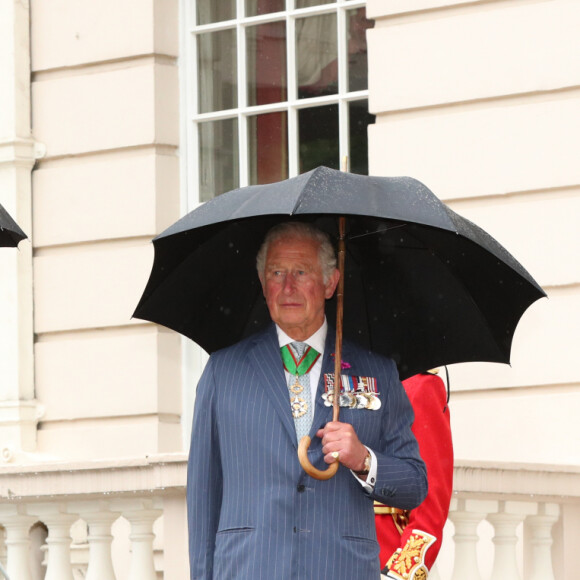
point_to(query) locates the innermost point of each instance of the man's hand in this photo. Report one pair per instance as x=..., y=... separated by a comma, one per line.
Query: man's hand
x=341, y=438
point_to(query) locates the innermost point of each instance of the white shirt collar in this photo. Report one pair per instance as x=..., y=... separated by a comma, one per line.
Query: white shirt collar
x=316, y=341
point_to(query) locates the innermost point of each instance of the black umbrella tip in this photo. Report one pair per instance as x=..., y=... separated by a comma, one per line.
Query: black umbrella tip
x=11, y=239
x=10, y=232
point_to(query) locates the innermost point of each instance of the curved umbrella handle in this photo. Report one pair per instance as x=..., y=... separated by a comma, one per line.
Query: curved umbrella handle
x=305, y=441
x=308, y=467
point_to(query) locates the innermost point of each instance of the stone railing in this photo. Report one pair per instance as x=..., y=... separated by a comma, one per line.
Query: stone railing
x=126, y=520
x=95, y=520
x=512, y=522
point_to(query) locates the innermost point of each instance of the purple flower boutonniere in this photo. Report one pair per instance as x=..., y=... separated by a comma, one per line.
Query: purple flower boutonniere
x=343, y=364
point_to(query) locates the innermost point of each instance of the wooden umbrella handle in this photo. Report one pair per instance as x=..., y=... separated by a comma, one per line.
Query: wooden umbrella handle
x=321, y=474
x=305, y=441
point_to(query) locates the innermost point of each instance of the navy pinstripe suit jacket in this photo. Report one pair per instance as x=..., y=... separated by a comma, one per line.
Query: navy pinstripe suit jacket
x=253, y=513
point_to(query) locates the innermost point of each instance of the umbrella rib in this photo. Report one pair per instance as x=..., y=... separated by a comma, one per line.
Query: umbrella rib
x=378, y=231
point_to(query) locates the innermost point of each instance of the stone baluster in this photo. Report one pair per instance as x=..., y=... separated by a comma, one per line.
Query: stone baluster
x=142, y=536
x=465, y=538
x=539, y=528
x=505, y=540
x=100, y=539
x=58, y=558
x=2, y=546
x=434, y=573
x=18, y=546
x=38, y=534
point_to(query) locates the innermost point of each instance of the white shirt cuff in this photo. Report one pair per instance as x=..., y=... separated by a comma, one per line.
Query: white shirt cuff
x=369, y=484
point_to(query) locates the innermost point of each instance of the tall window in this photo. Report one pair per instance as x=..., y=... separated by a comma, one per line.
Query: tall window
x=274, y=89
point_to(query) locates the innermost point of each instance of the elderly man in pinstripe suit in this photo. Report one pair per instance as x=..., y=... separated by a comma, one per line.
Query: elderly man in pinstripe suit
x=252, y=511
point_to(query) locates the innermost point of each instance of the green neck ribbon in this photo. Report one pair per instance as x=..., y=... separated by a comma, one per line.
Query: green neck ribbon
x=295, y=366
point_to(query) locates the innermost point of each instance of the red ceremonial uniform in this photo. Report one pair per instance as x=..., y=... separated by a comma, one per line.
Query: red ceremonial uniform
x=410, y=547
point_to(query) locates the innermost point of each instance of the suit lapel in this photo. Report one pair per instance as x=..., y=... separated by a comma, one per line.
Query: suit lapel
x=265, y=355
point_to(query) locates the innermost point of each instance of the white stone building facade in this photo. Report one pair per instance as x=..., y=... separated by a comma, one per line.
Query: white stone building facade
x=478, y=99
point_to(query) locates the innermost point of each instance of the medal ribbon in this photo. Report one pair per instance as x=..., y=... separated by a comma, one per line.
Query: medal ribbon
x=298, y=367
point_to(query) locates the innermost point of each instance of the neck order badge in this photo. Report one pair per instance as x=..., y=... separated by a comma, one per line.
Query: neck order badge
x=298, y=359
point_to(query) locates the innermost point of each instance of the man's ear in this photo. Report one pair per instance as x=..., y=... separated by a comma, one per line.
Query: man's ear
x=332, y=283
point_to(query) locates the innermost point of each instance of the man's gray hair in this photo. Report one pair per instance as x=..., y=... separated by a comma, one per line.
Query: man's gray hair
x=326, y=253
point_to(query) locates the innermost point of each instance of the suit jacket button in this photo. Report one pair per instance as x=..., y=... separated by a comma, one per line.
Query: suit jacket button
x=301, y=488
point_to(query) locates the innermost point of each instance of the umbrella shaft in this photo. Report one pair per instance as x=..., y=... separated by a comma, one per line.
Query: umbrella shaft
x=339, y=317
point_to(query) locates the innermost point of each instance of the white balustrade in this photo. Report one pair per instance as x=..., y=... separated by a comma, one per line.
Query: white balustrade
x=142, y=536
x=540, y=528
x=465, y=539
x=58, y=542
x=505, y=540
x=434, y=572
x=112, y=510
x=2, y=550
x=18, y=545
x=100, y=539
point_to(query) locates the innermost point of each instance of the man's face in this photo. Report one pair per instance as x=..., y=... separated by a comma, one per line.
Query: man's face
x=294, y=288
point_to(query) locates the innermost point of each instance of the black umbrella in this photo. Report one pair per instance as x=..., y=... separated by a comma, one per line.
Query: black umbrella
x=10, y=232
x=422, y=284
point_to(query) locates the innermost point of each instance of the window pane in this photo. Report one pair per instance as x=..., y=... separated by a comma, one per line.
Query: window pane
x=357, y=49
x=209, y=11
x=359, y=120
x=256, y=7
x=318, y=137
x=268, y=148
x=308, y=3
x=217, y=71
x=266, y=63
x=218, y=157
x=316, y=56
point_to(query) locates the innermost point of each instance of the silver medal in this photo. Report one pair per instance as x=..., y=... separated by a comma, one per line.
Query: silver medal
x=299, y=407
x=361, y=401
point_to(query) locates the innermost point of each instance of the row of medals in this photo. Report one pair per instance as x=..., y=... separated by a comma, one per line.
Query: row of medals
x=356, y=400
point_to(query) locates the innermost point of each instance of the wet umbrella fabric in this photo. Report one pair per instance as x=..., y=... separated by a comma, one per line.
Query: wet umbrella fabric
x=10, y=232
x=422, y=284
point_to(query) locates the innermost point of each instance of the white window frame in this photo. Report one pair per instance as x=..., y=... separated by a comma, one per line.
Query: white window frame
x=243, y=112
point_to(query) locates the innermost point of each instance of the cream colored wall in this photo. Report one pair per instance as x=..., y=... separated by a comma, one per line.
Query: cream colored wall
x=105, y=103
x=481, y=102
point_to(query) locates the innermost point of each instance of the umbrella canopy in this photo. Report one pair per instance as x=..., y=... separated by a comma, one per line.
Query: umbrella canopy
x=10, y=232
x=422, y=284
